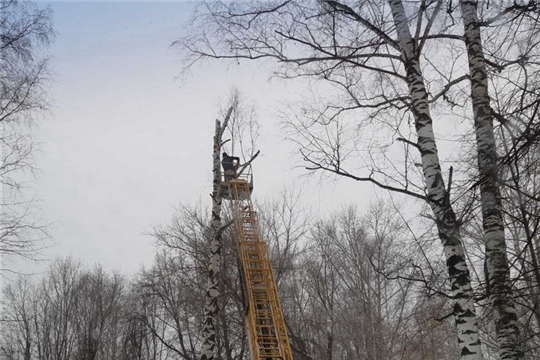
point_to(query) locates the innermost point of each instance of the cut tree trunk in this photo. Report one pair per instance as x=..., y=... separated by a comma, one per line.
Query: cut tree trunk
x=211, y=307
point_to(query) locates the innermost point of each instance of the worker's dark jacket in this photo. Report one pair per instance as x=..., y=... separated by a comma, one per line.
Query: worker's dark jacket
x=228, y=162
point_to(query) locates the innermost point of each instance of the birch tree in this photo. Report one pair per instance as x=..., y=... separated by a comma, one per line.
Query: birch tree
x=211, y=308
x=242, y=132
x=209, y=332
x=493, y=225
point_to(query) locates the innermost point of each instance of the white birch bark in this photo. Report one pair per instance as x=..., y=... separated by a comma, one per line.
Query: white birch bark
x=438, y=197
x=506, y=323
x=211, y=307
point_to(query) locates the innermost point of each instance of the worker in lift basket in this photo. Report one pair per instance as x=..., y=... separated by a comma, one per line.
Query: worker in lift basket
x=230, y=165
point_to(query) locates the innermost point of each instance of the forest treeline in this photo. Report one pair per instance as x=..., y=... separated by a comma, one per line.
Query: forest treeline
x=352, y=285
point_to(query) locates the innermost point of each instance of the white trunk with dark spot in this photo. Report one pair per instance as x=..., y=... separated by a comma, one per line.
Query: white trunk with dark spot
x=211, y=308
x=506, y=324
x=448, y=228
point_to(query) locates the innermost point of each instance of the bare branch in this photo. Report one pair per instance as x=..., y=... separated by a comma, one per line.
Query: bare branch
x=247, y=163
x=348, y=11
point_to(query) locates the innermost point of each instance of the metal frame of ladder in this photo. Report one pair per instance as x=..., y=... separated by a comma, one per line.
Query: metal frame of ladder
x=268, y=333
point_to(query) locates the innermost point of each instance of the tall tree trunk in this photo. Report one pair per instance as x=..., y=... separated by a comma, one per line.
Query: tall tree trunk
x=438, y=196
x=506, y=324
x=211, y=307
x=329, y=339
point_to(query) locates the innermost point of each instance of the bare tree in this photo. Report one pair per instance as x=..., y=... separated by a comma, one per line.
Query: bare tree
x=17, y=338
x=69, y=313
x=55, y=306
x=97, y=314
x=177, y=284
x=350, y=276
x=141, y=319
x=25, y=32
x=243, y=128
x=173, y=300
x=284, y=225
x=522, y=222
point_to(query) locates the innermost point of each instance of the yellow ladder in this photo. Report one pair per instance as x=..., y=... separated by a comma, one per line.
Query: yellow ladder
x=268, y=332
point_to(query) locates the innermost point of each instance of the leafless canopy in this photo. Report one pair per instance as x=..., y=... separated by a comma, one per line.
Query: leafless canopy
x=356, y=120
x=25, y=33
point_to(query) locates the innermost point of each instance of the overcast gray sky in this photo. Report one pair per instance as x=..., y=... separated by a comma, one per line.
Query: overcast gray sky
x=126, y=143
